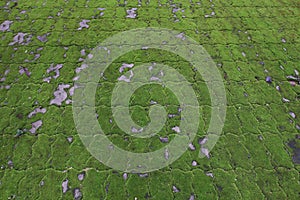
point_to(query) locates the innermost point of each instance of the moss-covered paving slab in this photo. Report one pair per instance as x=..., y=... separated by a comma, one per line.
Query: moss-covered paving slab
x=255, y=46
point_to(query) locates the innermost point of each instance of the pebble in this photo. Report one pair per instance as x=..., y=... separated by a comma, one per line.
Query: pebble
x=36, y=111
x=81, y=176
x=60, y=94
x=194, y=163
x=131, y=13
x=5, y=25
x=268, y=79
x=42, y=183
x=83, y=24
x=210, y=174
x=176, y=129
x=166, y=154
x=202, y=141
x=10, y=164
x=77, y=194
x=65, y=186
x=35, y=126
x=125, y=176
x=143, y=175
x=164, y=139
x=285, y=100
x=70, y=139
x=192, y=197
x=175, y=189
x=205, y=152
x=293, y=115
x=124, y=66
x=192, y=147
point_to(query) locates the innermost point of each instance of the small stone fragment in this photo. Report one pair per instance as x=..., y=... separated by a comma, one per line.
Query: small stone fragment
x=65, y=186
x=194, y=163
x=82, y=52
x=42, y=183
x=292, y=114
x=83, y=24
x=124, y=66
x=55, y=69
x=285, y=100
x=268, y=79
x=192, y=197
x=205, y=152
x=81, y=176
x=293, y=83
x=164, y=139
x=5, y=25
x=10, y=164
x=135, y=130
x=166, y=154
x=60, y=94
x=125, y=176
x=181, y=36
x=131, y=13
x=77, y=194
x=82, y=67
x=43, y=38
x=192, y=147
x=70, y=139
x=176, y=129
x=124, y=78
x=143, y=175
x=19, y=38
x=37, y=110
x=35, y=126
x=175, y=189
x=202, y=141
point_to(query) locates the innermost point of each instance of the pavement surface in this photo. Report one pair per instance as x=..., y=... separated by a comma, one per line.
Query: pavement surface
x=255, y=45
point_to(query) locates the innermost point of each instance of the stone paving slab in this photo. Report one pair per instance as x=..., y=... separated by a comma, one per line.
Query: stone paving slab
x=44, y=43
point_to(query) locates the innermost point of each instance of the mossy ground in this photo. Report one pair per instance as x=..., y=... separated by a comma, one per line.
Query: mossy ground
x=248, y=40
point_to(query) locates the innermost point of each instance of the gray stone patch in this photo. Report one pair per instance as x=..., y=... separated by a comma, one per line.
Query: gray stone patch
x=54, y=69
x=164, y=139
x=43, y=38
x=175, y=189
x=37, y=110
x=131, y=13
x=77, y=194
x=35, y=126
x=20, y=39
x=5, y=25
x=60, y=95
x=124, y=78
x=70, y=139
x=81, y=176
x=124, y=66
x=192, y=147
x=192, y=197
x=125, y=176
x=65, y=186
x=83, y=24
x=194, y=163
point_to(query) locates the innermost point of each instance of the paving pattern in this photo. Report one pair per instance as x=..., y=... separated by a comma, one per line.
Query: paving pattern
x=255, y=45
